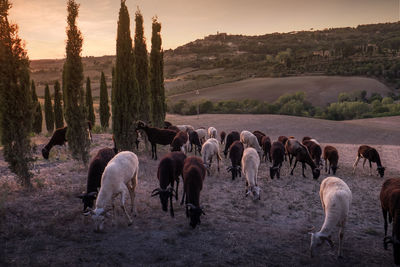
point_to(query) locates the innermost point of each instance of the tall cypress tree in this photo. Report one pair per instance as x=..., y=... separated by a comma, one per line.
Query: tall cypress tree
x=48, y=110
x=89, y=103
x=104, y=107
x=75, y=111
x=142, y=69
x=15, y=99
x=58, y=111
x=157, y=76
x=37, y=111
x=125, y=98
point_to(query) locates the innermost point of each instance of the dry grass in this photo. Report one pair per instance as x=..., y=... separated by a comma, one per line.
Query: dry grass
x=47, y=221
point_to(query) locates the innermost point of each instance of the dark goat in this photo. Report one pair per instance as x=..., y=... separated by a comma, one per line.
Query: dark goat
x=315, y=151
x=169, y=170
x=331, y=154
x=230, y=138
x=222, y=135
x=194, y=140
x=156, y=136
x=179, y=141
x=278, y=155
x=259, y=136
x=370, y=154
x=295, y=149
x=235, y=154
x=57, y=139
x=390, y=203
x=96, y=169
x=266, y=146
x=194, y=173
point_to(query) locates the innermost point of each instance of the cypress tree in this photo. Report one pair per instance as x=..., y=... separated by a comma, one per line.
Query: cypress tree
x=15, y=99
x=89, y=103
x=58, y=111
x=75, y=111
x=48, y=110
x=157, y=76
x=37, y=111
x=104, y=107
x=125, y=96
x=142, y=69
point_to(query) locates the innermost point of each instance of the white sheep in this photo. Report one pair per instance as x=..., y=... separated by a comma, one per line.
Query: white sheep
x=250, y=164
x=119, y=177
x=250, y=140
x=212, y=132
x=336, y=200
x=202, y=133
x=210, y=149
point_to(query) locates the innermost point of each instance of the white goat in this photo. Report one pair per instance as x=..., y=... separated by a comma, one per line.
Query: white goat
x=336, y=200
x=250, y=164
x=119, y=177
x=210, y=149
x=212, y=132
x=250, y=140
x=202, y=133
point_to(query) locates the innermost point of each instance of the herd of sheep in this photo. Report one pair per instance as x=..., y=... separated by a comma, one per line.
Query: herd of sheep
x=113, y=173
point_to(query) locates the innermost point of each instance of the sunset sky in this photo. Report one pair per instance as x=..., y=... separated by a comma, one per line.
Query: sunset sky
x=42, y=22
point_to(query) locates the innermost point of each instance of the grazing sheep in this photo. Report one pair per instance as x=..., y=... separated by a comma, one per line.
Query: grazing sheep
x=210, y=149
x=250, y=164
x=194, y=174
x=212, y=132
x=372, y=155
x=278, y=155
x=169, y=170
x=315, y=151
x=295, y=149
x=259, y=136
x=235, y=154
x=194, y=140
x=331, y=154
x=266, y=146
x=57, y=139
x=180, y=142
x=222, y=135
x=230, y=138
x=156, y=136
x=336, y=200
x=96, y=169
x=119, y=177
x=250, y=140
x=390, y=203
x=202, y=133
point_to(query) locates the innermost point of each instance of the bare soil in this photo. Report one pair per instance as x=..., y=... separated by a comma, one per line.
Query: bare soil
x=45, y=226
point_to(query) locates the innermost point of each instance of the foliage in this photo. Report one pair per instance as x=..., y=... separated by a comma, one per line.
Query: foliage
x=104, y=107
x=89, y=103
x=48, y=110
x=58, y=111
x=37, y=111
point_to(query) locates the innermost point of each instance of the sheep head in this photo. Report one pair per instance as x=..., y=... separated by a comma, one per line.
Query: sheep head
x=194, y=214
x=381, y=171
x=88, y=200
x=316, y=173
x=164, y=194
x=317, y=239
x=45, y=153
x=140, y=125
x=98, y=217
x=273, y=171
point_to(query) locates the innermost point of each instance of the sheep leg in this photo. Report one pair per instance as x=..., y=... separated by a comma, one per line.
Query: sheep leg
x=370, y=168
x=326, y=166
x=183, y=196
x=341, y=230
x=172, y=207
x=364, y=162
x=384, y=212
x=218, y=162
x=355, y=164
x=295, y=163
x=155, y=151
x=124, y=192
x=177, y=186
x=303, y=167
x=113, y=213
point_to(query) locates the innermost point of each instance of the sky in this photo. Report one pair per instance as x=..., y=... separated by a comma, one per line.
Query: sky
x=42, y=23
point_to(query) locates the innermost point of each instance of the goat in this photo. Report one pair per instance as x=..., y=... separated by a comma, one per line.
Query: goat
x=331, y=154
x=169, y=170
x=372, y=155
x=179, y=143
x=236, y=154
x=193, y=177
x=222, y=135
x=119, y=177
x=278, y=155
x=212, y=132
x=315, y=151
x=96, y=169
x=250, y=140
x=250, y=164
x=336, y=199
x=194, y=140
x=230, y=138
x=57, y=139
x=202, y=133
x=266, y=146
x=210, y=149
x=295, y=149
x=390, y=203
x=259, y=136
x=156, y=136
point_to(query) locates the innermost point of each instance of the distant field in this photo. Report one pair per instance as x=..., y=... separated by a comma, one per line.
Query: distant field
x=319, y=90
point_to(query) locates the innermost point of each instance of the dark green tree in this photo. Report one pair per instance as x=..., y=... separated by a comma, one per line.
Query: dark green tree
x=48, y=110
x=125, y=96
x=75, y=111
x=15, y=99
x=142, y=69
x=157, y=76
x=58, y=111
x=104, y=107
x=89, y=103
x=37, y=111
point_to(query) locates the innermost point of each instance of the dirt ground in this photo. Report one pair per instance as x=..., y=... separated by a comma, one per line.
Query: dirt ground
x=45, y=227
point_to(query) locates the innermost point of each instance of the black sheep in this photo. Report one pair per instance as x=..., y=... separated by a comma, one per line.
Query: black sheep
x=278, y=155
x=194, y=140
x=57, y=139
x=230, y=138
x=300, y=152
x=331, y=154
x=315, y=151
x=370, y=154
x=235, y=154
x=222, y=136
x=266, y=146
x=179, y=142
